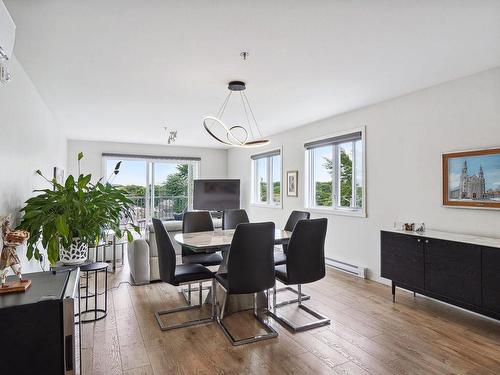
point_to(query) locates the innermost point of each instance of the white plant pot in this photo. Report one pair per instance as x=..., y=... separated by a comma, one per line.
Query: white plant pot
x=76, y=254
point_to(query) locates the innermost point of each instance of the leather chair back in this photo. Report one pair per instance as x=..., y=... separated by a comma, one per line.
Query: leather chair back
x=294, y=217
x=231, y=218
x=250, y=265
x=195, y=221
x=166, y=252
x=305, y=261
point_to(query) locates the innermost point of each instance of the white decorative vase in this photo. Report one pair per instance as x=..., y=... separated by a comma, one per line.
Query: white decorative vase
x=76, y=254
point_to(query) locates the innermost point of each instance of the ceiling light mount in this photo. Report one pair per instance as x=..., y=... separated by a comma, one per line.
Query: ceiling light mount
x=236, y=86
x=244, y=55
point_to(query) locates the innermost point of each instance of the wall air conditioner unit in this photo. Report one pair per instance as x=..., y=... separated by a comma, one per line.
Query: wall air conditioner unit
x=7, y=39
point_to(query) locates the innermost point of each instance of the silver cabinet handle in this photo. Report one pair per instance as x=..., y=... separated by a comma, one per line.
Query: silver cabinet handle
x=418, y=240
x=426, y=241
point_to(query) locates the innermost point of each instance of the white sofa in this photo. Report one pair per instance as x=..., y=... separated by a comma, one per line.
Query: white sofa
x=143, y=253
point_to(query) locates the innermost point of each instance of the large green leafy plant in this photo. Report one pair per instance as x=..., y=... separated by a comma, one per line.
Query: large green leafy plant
x=76, y=209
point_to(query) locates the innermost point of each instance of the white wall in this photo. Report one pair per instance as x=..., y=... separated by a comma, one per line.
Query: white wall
x=30, y=139
x=404, y=141
x=213, y=161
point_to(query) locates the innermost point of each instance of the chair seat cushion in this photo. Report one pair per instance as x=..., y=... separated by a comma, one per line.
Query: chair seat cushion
x=191, y=272
x=222, y=279
x=205, y=259
x=281, y=274
x=279, y=258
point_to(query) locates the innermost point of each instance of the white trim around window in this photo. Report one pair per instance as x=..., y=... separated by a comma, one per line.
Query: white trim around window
x=267, y=161
x=149, y=175
x=330, y=200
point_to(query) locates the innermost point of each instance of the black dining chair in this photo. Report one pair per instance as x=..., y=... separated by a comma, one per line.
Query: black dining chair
x=199, y=221
x=305, y=263
x=280, y=255
x=231, y=218
x=180, y=275
x=250, y=270
x=295, y=216
x=192, y=222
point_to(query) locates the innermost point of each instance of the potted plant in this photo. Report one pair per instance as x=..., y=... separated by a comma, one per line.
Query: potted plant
x=70, y=217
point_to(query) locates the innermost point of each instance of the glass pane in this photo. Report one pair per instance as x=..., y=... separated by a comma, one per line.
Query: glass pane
x=170, y=191
x=132, y=179
x=345, y=167
x=276, y=165
x=322, y=174
x=261, y=182
x=359, y=173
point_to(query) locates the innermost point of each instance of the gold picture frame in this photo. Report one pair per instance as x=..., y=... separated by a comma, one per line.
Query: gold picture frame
x=471, y=179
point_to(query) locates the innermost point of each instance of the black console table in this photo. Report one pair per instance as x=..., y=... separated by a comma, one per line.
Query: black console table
x=458, y=269
x=38, y=326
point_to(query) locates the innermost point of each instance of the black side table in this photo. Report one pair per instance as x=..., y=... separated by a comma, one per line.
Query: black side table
x=97, y=312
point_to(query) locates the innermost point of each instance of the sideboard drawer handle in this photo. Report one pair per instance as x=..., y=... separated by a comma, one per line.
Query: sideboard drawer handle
x=426, y=241
x=418, y=240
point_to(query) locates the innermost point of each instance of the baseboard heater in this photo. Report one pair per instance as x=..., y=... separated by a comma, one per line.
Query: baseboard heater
x=346, y=267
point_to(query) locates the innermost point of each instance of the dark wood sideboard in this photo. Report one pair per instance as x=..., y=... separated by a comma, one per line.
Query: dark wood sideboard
x=458, y=269
x=38, y=326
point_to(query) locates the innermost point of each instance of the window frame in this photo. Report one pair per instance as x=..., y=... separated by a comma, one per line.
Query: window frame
x=269, y=178
x=193, y=173
x=309, y=181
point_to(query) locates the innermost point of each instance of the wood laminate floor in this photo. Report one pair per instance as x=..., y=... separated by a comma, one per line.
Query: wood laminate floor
x=368, y=335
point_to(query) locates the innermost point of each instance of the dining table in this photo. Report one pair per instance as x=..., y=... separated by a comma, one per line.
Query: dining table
x=220, y=240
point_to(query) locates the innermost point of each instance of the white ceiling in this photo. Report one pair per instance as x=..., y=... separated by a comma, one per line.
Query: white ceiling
x=120, y=70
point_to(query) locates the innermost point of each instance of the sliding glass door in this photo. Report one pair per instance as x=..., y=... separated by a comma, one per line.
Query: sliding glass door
x=131, y=179
x=171, y=189
x=159, y=189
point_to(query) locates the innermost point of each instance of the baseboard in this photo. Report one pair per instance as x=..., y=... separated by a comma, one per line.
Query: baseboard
x=351, y=269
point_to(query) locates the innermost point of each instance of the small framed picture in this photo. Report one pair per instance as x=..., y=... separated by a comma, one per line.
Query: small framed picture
x=292, y=188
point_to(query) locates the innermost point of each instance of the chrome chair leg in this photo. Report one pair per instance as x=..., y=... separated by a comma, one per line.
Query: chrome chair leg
x=322, y=320
x=223, y=309
x=200, y=294
x=187, y=292
x=271, y=333
x=300, y=295
x=188, y=323
x=214, y=298
x=274, y=295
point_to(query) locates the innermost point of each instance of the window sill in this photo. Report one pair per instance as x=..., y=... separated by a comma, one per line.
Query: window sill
x=340, y=212
x=262, y=205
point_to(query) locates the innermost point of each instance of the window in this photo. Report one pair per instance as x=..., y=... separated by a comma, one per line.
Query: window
x=159, y=187
x=267, y=178
x=262, y=173
x=276, y=178
x=335, y=173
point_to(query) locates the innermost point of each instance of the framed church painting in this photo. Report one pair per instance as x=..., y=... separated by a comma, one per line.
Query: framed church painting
x=471, y=179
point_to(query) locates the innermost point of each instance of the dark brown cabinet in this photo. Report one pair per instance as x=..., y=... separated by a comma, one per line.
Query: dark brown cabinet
x=491, y=279
x=403, y=259
x=453, y=270
x=463, y=274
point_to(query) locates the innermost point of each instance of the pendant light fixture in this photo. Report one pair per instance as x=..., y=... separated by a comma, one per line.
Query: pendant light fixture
x=235, y=135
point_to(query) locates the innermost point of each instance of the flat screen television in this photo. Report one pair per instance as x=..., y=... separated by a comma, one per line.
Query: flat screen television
x=216, y=195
